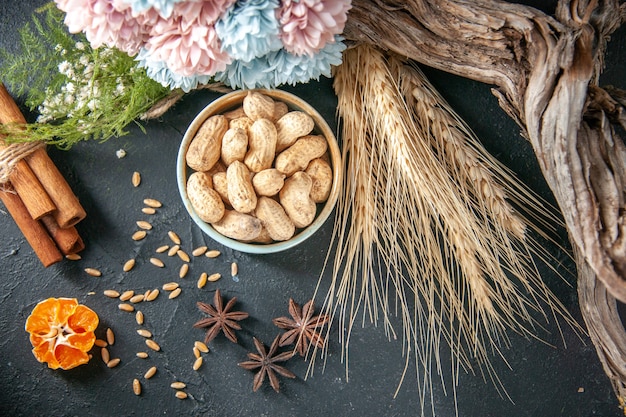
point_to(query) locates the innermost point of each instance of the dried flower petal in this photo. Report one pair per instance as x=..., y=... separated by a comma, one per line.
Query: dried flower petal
x=281, y=67
x=308, y=25
x=249, y=29
x=105, y=22
x=187, y=41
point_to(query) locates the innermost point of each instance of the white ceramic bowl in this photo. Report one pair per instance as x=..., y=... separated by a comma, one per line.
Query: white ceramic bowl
x=231, y=101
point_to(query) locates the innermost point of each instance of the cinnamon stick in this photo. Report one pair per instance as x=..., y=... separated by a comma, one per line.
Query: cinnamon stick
x=67, y=239
x=34, y=232
x=33, y=195
x=68, y=209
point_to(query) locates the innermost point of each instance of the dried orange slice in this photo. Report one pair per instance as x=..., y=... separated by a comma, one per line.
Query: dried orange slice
x=62, y=332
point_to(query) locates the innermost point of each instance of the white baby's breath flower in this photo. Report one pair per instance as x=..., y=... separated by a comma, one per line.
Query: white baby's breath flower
x=80, y=46
x=88, y=70
x=84, y=60
x=64, y=67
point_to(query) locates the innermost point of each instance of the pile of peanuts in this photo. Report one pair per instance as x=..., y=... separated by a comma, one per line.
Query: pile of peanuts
x=259, y=173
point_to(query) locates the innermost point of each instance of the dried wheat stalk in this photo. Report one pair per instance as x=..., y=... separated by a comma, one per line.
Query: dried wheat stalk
x=456, y=256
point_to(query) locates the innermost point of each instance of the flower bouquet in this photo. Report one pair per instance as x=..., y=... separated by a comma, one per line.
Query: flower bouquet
x=104, y=64
x=245, y=44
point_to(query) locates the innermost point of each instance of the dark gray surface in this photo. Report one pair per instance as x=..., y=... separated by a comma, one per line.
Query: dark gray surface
x=541, y=380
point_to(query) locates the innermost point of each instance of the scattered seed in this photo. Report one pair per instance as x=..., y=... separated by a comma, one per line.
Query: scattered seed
x=150, y=372
x=142, y=224
x=153, y=345
x=174, y=293
x=136, y=179
x=139, y=317
x=130, y=264
x=202, y=280
x=181, y=395
x=170, y=286
x=126, y=307
x=113, y=363
x=144, y=333
x=153, y=295
x=162, y=249
x=178, y=385
x=110, y=337
x=184, y=268
x=100, y=343
x=151, y=202
x=234, y=269
x=212, y=254
x=111, y=293
x=157, y=262
x=93, y=272
x=136, y=386
x=137, y=298
x=142, y=355
x=197, y=363
x=73, y=257
x=139, y=235
x=148, y=210
x=91, y=293
x=214, y=277
x=127, y=295
x=199, y=251
x=196, y=352
x=146, y=294
x=104, y=354
x=173, y=250
x=174, y=237
x=183, y=255
x=201, y=346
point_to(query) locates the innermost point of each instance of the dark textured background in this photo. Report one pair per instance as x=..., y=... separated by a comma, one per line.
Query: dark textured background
x=541, y=380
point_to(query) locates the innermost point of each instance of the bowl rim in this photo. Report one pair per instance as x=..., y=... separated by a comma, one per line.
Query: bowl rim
x=225, y=103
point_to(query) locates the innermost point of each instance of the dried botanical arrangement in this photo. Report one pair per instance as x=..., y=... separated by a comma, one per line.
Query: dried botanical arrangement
x=540, y=65
x=458, y=255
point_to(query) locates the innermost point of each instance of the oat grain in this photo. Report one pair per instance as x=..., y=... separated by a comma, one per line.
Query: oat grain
x=93, y=272
x=151, y=202
x=157, y=262
x=139, y=235
x=150, y=372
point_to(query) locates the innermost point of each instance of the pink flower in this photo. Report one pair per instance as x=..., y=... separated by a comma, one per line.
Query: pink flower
x=187, y=41
x=307, y=25
x=105, y=22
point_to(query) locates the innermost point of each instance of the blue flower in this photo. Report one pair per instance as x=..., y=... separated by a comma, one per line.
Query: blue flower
x=292, y=69
x=159, y=72
x=281, y=67
x=249, y=29
x=164, y=7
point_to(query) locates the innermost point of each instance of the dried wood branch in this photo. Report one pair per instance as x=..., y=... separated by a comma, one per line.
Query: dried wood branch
x=546, y=72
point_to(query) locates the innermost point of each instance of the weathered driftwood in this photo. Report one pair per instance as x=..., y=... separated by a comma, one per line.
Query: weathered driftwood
x=546, y=71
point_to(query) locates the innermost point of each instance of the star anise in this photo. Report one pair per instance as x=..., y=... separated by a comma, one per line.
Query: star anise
x=220, y=318
x=266, y=361
x=301, y=330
